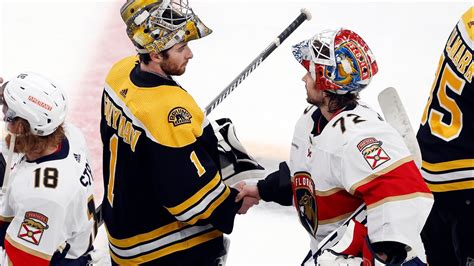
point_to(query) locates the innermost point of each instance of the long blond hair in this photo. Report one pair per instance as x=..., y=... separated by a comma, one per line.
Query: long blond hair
x=27, y=142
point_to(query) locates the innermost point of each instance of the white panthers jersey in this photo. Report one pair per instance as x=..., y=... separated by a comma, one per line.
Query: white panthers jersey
x=50, y=204
x=357, y=158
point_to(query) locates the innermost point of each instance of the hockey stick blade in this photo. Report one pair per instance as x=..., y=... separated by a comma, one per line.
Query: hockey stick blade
x=305, y=15
x=396, y=116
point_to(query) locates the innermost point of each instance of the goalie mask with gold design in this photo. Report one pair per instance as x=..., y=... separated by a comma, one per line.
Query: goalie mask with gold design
x=157, y=25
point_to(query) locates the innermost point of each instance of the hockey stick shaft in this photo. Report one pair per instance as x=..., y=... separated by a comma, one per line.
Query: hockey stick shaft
x=395, y=114
x=305, y=15
x=8, y=164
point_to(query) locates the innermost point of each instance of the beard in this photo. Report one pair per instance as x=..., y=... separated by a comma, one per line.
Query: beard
x=317, y=102
x=315, y=98
x=173, y=69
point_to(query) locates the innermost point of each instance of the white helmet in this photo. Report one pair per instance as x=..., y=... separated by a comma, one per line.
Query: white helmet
x=37, y=100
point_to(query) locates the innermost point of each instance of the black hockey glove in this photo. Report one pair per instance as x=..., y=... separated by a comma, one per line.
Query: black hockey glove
x=236, y=163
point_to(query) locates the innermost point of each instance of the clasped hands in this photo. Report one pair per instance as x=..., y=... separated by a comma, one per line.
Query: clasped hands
x=248, y=194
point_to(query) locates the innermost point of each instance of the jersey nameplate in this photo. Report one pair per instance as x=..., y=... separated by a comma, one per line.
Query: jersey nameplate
x=121, y=123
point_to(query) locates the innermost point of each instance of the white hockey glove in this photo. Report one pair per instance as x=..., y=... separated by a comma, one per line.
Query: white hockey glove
x=99, y=257
x=236, y=163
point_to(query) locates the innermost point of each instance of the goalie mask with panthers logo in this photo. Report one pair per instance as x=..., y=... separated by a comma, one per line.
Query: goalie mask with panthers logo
x=339, y=61
x=157, y=25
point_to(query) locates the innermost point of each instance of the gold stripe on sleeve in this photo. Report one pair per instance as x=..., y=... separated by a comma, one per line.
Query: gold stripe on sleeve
x=196, y=197
x=446, y=166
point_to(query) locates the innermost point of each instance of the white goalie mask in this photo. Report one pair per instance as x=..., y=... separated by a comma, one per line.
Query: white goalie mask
x=37, y=100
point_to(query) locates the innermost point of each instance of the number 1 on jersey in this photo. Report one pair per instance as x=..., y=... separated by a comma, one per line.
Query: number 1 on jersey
x=200, y=169
x=113, y=145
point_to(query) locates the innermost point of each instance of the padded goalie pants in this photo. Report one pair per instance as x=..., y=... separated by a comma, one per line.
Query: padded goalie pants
x=448, y=234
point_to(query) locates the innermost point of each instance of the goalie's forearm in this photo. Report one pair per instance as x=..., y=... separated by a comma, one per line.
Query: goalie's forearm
x=276, y=186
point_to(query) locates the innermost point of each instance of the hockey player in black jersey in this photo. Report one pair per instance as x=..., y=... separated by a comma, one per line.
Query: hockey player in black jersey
x=165, y=202
x=447, y=148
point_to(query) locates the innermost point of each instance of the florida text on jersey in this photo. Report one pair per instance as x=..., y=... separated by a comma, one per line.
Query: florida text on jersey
x=165, y=202
x=447, y=127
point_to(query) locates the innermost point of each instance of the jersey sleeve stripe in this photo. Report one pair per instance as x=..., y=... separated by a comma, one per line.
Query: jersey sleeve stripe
x=163, y=247
x=135, y=240
x=469, y=184
x=215, y=182
x=328, y=192
x=203, y=205
x=397, y=184
x=447, y=177
x=380, y=173
x=399, y=198
x=162, y=242
x=22, y=255
x=449, y=165
x=211, y=207
x=6, y=219
x=328, y=210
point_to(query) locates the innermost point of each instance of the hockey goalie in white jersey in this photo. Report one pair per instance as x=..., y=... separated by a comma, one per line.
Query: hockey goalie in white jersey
x=344, y=155
x=47, y=212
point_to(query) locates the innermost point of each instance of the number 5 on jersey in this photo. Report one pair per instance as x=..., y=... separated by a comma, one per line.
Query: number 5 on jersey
x=447, y=80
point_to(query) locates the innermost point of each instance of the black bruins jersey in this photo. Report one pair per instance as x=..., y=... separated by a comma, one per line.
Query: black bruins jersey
x=447, y=126
x=164, y=201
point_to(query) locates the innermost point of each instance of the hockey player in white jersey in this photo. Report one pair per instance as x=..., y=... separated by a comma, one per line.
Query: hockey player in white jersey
x=343, y=154
x=47, y=212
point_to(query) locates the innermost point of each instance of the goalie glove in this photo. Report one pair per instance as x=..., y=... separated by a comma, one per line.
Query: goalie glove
x=331, y=258
x=348, y=250
x=236, y=163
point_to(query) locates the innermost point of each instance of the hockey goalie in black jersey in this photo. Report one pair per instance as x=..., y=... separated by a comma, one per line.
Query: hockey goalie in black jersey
x=165, y=201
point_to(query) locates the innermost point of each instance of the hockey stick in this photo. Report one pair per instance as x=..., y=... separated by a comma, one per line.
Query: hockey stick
x=396, y=116
x=8, y=164
x=305, y=15
x=334, y=237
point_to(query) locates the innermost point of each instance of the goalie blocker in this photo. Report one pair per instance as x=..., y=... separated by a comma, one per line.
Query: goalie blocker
x=236, y=163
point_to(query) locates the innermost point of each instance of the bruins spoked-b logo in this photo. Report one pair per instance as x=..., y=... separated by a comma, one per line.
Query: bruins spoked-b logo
x=373, y=153
x=33, y=226
x=179, y=116
x=305, y=201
